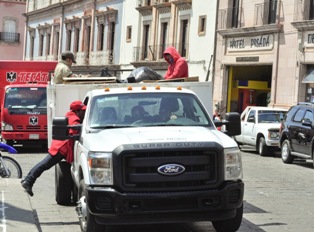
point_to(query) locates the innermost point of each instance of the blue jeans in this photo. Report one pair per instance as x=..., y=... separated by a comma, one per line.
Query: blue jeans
x=42, y=166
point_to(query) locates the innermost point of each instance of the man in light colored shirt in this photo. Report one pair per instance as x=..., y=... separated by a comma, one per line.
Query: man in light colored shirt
x=63, y=68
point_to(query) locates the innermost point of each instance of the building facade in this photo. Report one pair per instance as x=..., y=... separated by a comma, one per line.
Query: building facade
x=264, y=53
x=123, y=34
x=12, y=24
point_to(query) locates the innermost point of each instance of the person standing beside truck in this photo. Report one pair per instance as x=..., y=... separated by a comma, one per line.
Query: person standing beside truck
x=59, y=149
x=178, y=66
x=63, y=68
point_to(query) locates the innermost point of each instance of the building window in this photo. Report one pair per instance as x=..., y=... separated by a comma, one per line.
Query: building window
x=183, y=37
x=76, y=39
x=68, y=40
x=145, y=42
x=9, y=31
x=235, y=14
x=112, y=27
x=31, y=44
x=41, y=44
x=163, y=39
x=48, y=40
x=311, y=15
x=202, y=25
x=87, y=40
x=128, y=33
x=272, y=11
x=101, y=31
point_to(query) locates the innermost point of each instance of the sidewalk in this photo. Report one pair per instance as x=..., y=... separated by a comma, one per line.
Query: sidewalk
x=40, y=213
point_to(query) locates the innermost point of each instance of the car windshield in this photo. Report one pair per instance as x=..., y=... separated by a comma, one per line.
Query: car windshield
x=25, y=99
x=149, y=109
x=268, y=116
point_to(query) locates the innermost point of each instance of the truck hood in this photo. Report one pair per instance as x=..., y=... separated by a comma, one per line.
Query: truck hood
x=267, y=126
x=108, y=139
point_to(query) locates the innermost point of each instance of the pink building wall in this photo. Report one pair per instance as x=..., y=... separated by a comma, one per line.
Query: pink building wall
x=12, y=9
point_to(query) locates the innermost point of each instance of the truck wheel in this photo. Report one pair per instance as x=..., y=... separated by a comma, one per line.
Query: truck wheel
x=262, y=147
x=86, y=219
x=229, y=225
x=286, y=156
x=63, y=183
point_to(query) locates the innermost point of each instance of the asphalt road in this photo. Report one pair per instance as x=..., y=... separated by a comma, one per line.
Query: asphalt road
x=278, y=197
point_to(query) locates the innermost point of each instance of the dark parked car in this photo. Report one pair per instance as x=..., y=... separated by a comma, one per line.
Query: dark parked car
x=297, y=133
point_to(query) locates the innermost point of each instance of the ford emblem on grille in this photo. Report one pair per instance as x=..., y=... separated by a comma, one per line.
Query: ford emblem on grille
x=171, y=169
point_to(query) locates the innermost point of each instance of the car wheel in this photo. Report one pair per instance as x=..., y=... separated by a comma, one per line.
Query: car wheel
x=286, y=156
x=63, y=183
x=230, y=225
x=262, y=147
x=86, y=219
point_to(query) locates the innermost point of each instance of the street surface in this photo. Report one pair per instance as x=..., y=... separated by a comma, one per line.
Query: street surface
x=278, y=197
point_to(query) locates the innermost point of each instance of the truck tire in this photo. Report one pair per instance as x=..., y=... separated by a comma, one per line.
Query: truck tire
x=230, y=225
x=63, y=183
x=86, y=219
x=262, y=147
x=286, y=156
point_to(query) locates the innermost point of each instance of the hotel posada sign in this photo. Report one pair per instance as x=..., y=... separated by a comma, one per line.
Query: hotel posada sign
x=261, y=42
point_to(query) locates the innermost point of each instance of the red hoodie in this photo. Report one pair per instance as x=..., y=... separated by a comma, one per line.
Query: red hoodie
x=65, y=147
x=179, y=67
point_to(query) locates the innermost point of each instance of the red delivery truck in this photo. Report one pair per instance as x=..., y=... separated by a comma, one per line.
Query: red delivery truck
x=23, y=86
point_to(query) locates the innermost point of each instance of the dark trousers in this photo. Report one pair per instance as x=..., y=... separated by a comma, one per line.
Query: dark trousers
x=42, y=166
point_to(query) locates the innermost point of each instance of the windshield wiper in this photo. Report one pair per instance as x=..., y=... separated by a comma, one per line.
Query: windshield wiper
x=107, y=126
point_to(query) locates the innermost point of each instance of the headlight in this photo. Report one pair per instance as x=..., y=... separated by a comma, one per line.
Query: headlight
x=6, y=127
x=273, y=135
x=233, y=164
x=100, y=168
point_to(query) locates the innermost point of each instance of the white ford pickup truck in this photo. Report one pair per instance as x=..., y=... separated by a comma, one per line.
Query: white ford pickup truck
x=167, y=164
x=260, y=128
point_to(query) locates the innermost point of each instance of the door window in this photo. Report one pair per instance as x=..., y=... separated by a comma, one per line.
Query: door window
x=299, y=115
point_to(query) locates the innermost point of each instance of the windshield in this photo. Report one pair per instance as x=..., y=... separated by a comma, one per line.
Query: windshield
x=138, y=109
x=268, y=116
x=20, y=99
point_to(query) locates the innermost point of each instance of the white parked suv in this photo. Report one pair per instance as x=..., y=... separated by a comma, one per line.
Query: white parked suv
x=260, y=128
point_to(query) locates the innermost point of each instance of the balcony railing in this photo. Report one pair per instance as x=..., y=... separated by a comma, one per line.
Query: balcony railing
x=302, y=11
x=101, y=57
x=267, y=13
x=264, y=14
x=228, y=18
x=155, y=52
x=10, y=37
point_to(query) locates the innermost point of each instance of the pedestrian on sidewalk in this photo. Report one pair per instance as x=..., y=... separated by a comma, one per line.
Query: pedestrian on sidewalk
x=59, y=149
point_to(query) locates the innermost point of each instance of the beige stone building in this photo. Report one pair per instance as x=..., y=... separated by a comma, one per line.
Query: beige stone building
x=122, y=34
x=264, y=50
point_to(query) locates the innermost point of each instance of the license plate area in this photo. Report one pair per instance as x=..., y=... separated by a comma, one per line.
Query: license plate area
x=34, y=136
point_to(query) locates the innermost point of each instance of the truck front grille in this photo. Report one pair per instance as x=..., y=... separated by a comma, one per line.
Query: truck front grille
x=140, y=170
x=28, y=127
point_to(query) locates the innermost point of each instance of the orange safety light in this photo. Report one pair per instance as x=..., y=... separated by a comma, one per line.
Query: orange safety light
x=129, y=88
x=107, y=89
x=143, y=87
x=179, y=88
x=157, y=87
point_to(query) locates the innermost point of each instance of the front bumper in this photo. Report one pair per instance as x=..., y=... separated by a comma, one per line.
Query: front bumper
x=272, y=142
x=112, y=207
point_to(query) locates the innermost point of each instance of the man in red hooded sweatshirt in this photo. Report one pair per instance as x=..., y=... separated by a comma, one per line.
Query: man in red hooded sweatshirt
x=59, y=149
x=178, y=66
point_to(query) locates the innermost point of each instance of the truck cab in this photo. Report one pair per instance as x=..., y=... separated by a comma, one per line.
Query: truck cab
x=170, y=165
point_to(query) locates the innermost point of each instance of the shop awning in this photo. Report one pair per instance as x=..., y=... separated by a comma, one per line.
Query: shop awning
x=308, y=78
